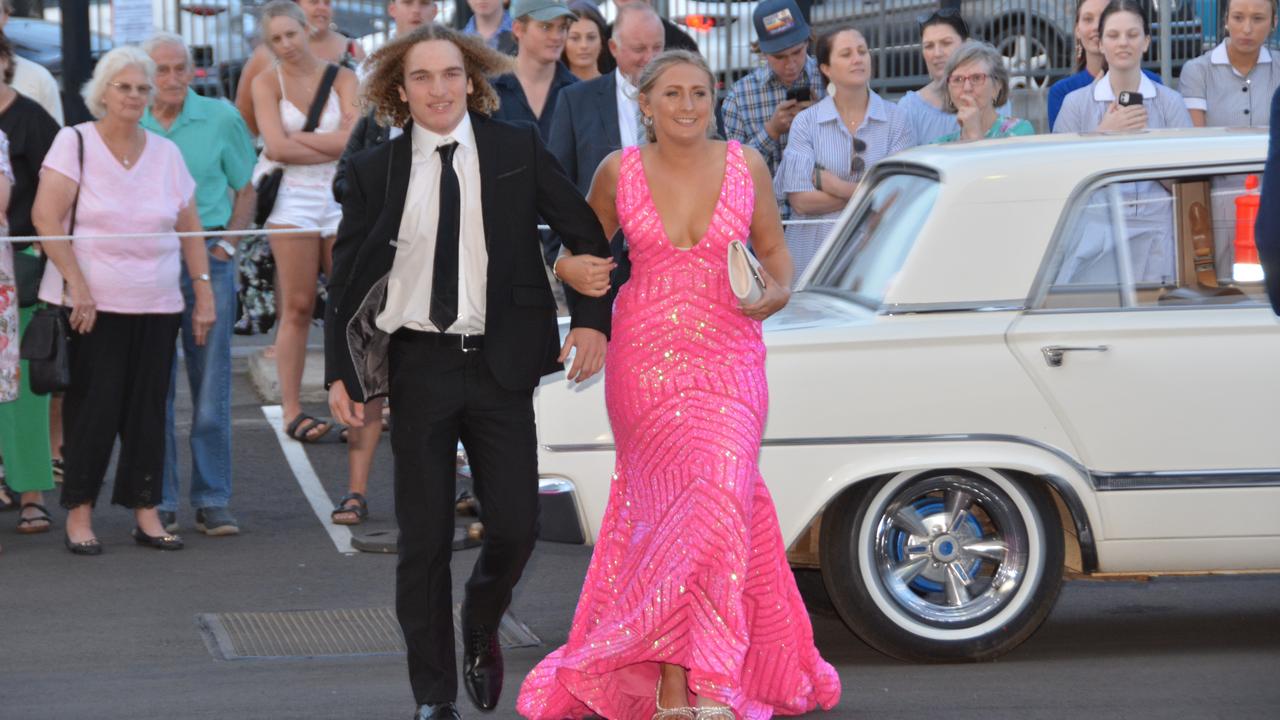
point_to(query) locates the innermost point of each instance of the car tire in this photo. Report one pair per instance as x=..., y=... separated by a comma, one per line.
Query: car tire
x=917, y=585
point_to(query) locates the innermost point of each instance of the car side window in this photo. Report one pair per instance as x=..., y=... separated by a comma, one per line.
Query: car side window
x=1154, y=243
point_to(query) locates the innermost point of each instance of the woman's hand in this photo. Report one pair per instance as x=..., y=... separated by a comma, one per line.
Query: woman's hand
x=587, y=274
x=969, y=117
x=1122, y=119
x=775, y=298
x=84, y=310
x=203, y=316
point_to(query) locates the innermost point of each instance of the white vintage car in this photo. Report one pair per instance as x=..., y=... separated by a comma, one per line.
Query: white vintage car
x=972, y=394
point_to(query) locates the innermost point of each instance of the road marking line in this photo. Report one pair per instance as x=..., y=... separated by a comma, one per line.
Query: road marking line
x=308, y=480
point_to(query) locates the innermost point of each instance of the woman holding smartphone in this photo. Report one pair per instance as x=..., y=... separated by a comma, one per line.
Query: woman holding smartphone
x=833, y=143
x=1124, y=100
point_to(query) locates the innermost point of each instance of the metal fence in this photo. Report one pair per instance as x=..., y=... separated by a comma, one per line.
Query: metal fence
x=1036, y=37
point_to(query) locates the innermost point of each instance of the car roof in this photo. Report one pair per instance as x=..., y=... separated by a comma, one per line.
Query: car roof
x=1000, y=201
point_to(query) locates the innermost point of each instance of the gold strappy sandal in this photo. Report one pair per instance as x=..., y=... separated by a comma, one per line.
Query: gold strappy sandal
x=675, y=713
x=714, y=712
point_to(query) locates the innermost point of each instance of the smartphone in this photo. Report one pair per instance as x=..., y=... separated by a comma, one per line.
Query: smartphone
x=1127, y=98
x=801, y=94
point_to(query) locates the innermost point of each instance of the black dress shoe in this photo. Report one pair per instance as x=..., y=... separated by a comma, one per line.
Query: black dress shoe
x=159, y=542
x=437, y=711
x=482, y=666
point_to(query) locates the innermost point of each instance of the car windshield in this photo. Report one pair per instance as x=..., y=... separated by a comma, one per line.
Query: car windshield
x=869, y=250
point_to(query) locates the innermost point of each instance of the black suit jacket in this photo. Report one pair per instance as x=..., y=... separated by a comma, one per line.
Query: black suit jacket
x=520, y=181
x=1267, y=226
x=584, y=129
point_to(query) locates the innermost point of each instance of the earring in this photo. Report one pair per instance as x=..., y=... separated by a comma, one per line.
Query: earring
x=646, y=120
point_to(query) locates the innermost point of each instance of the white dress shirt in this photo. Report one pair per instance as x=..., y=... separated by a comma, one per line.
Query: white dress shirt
x=408, y=302
x=628, y=111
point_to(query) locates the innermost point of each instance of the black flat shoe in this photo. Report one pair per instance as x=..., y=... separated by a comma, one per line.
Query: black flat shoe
x=482, y=667
x=437, y=711
x=88, y=547
x=160, y=542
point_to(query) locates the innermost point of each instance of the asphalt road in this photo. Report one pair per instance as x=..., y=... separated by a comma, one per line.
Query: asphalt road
x=115, y=637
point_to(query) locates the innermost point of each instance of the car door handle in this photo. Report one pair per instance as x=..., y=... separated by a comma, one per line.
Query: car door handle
x=1053, y=353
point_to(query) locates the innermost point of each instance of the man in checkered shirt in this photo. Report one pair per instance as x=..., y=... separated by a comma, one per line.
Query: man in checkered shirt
x=757, y=111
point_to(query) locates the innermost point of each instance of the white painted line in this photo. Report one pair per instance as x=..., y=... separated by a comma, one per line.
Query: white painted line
x=321, y=505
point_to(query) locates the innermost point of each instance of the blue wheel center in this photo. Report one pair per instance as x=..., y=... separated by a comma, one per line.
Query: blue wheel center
x=947, y=547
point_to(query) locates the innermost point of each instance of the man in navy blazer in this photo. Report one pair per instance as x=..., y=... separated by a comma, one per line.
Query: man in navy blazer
x=1267, y=227
x=587, y=125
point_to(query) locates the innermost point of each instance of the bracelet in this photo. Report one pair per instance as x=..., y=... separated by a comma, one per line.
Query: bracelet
x=554, y=265
x=227, y=247
x=817, y=177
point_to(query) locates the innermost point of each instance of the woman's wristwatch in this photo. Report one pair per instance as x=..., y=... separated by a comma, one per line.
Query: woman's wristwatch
x=817, y=176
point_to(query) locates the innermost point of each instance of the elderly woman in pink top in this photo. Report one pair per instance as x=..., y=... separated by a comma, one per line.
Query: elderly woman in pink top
x=111, y=177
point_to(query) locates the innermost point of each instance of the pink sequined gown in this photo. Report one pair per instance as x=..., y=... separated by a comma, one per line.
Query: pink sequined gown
x=689, y=568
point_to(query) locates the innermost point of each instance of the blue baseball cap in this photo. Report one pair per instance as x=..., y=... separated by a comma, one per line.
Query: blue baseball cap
x=779, y=25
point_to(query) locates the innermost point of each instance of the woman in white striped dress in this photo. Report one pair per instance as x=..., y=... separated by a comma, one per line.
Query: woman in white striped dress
x=832, y=144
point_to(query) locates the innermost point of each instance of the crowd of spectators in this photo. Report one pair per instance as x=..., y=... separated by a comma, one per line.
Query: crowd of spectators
x=809, y=110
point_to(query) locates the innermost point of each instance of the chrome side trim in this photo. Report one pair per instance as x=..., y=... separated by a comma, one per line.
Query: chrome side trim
x=1186, y=480
x=947, y=307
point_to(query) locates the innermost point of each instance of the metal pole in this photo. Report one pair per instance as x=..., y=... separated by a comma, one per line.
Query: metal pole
x=77, y=64
x=1166, y=42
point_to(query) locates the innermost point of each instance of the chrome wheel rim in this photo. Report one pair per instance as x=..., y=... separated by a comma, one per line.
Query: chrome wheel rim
x=951, y=550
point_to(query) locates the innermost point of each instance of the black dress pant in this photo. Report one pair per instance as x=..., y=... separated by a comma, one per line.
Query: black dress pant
x=119, y=383
x=443, y=395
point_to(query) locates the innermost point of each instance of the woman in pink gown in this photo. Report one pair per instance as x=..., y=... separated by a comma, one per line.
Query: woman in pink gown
x=689, y=582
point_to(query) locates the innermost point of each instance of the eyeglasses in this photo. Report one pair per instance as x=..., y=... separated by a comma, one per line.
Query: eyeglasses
x=130, y=89
x=858, y=164
x=977, y=80
x=950, y=16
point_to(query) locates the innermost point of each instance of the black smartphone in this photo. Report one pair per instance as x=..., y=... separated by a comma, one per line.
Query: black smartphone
x=800, y=94
x=1127, y=98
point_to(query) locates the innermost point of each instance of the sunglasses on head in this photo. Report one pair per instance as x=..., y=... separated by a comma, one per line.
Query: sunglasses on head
x=951, y=16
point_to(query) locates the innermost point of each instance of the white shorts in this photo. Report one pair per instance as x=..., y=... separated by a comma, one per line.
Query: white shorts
x=306, y=206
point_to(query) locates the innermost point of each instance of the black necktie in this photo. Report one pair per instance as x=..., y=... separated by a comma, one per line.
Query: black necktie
x=444, y=276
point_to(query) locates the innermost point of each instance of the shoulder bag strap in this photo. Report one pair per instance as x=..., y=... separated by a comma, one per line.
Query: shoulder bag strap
x=322, y=97
x=80, y=158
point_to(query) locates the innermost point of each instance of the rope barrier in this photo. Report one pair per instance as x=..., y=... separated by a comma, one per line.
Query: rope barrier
x=246, y=233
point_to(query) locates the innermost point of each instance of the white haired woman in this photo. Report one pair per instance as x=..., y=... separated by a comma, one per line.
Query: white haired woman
x=976, y=83
x=111, y=177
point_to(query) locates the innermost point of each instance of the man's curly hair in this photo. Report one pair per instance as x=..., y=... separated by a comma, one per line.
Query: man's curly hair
x=386, y=73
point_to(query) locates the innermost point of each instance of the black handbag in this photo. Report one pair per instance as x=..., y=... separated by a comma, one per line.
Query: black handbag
x=268, y=186
x=44, y=347
x=44, y=342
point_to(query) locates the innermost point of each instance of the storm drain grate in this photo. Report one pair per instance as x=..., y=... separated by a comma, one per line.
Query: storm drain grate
x=324, y=633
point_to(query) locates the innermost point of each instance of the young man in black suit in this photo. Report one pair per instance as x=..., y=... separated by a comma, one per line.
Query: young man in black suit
x=439, y=298
x=1267, y=228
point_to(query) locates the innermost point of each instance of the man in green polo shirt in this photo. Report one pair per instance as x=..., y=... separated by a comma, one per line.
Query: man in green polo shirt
x=219, y=154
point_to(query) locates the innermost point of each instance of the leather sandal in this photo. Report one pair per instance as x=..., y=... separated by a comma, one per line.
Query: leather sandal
x=34, y=525
x=360, y=509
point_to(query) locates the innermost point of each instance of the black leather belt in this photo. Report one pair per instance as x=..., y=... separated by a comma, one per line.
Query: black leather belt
x=465, y=343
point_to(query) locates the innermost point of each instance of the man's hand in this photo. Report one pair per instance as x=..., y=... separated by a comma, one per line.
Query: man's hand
x=587, y=274
x=589, y=358
x=341, y=406
x=780, y=123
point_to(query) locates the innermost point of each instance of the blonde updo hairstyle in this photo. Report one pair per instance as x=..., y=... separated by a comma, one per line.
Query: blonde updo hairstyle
x=659, y=65
x=104, y=73
x=281, y=8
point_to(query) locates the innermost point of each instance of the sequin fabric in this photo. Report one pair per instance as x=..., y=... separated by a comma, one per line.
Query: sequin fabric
x=689, y=568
